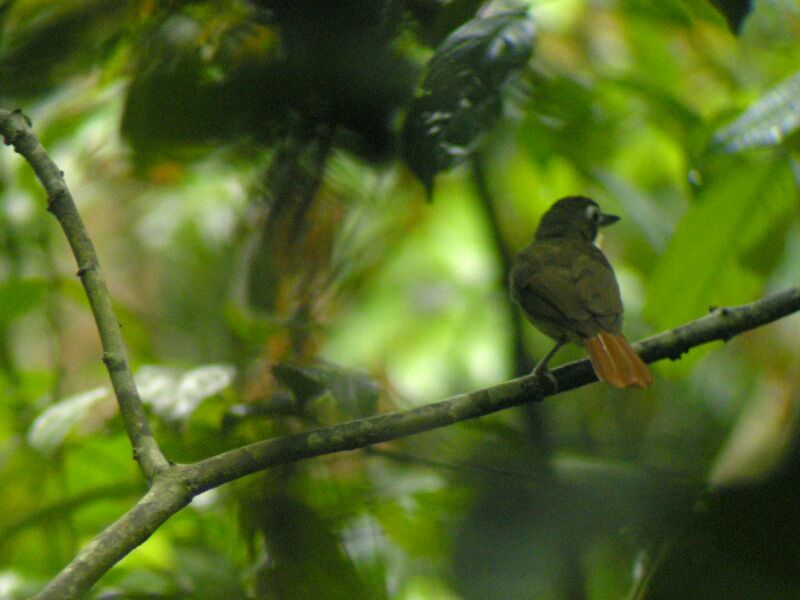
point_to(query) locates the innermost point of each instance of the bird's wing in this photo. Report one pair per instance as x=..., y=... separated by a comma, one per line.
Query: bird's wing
x=542, y=283
x=597, y=289
x=572, y=289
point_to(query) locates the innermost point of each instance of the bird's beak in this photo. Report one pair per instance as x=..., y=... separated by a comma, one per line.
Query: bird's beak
x=606, y=220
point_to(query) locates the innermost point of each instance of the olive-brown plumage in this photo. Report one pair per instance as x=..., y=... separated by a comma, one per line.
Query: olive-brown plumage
x=567, y=289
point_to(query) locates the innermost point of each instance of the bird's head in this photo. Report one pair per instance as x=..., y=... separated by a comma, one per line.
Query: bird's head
x=573, y=217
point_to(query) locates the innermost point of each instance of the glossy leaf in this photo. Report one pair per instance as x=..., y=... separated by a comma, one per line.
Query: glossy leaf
x=460, y=95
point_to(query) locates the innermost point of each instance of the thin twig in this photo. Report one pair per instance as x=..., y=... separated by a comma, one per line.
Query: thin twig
x=522, y=360
x=16, y=131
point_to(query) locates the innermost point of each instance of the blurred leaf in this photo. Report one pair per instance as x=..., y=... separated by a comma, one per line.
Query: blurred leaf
x=52, y=426
x=176, y=394
x=18, y=296
x=246, y=73
x=208, y=573
x=460, y=97
x=741, y=543
x=528, y=535
x=302, y=381
x=173, y=97
x=307, y=561
x=734, y=11
x=678, y=12
x=414, y=521
x=44, y=43
x=353, y=390
x=700, y=267
x=768, y=121
x=758, y=444
x=437, y=18
x=567, y=118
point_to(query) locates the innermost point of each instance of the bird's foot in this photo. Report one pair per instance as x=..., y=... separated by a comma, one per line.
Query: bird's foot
x=543, y=372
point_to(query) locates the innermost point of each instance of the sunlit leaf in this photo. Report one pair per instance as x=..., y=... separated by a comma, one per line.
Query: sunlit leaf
x=768, y=122
x=700, y=267
x=680, y=12
x=176, y=394
x=52, y=426
x=758, y=444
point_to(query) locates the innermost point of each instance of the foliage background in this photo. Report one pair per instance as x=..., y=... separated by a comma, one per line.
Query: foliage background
x=173, y=123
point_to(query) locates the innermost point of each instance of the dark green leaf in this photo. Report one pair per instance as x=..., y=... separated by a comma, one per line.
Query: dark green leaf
x=18, y=296
x=734, y=11
x=353, y=390
x=307, y=561
x=460, y=97
x=302, y=381
x=44, y=43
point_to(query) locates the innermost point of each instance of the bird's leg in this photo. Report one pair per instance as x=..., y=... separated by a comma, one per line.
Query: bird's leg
x=541, y=369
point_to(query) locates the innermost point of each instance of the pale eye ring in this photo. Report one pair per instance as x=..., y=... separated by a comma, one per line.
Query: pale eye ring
x=592, y=214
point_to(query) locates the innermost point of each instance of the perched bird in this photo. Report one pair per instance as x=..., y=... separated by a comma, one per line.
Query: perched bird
x=567, y=289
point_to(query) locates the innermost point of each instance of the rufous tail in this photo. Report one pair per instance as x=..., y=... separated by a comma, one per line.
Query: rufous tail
x=616, y=362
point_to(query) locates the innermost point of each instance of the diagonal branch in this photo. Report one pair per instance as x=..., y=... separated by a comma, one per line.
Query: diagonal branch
x=16, y=131
x=176, y=486
x=721, y=324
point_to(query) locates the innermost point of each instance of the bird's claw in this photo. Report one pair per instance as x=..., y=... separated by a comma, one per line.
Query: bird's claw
x=543, y=372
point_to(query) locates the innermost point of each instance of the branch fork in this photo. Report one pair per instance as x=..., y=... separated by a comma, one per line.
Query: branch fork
x=172, y=486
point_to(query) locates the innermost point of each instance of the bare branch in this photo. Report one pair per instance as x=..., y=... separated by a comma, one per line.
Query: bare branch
x=721, y=324
x=166, y=496
x=180, y=483
x=16, y=131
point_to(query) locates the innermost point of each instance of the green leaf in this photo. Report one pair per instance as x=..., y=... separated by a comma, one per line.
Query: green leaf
x=211, y=572
x=460, y=97
x=678, y=12
x=302, y=381
x=734, y=12
x=307, y=560
x=52, y=426
x=354, y=391
x=701, y=266
x=18, y=296
x=768, y=122
x=45, y=43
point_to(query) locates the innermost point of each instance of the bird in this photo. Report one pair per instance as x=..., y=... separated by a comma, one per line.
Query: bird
x=567, y=289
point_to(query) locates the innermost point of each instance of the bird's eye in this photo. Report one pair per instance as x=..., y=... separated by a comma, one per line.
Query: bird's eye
x=592, y=214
